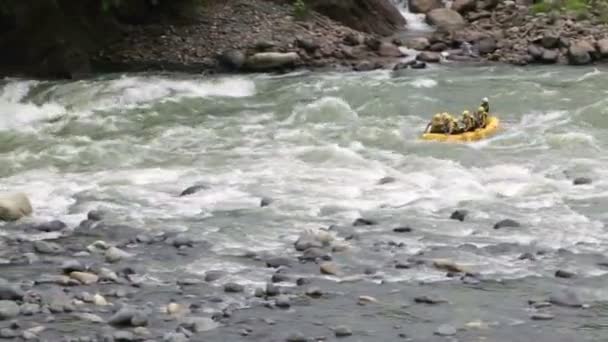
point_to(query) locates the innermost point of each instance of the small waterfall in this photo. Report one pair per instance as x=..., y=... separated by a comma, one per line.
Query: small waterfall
x=415, y=21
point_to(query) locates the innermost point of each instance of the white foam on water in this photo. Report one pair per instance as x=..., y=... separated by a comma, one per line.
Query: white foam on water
x=415, y=21
x=24, y=116
x=326, y=109
x=424, y=83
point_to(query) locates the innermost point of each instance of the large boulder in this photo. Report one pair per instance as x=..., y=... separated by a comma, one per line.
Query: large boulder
x=14, y=206
x=418, y=43
x=231, y=59
x=464, y=6
x=602, y=47
x=580, y=52
x=423, y=6
x=389, y=50
x=371, y=16
x=486, y=45
x=271, y=60
x=445, y=19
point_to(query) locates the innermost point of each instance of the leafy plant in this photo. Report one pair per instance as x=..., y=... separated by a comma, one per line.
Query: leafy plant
x=300, y=9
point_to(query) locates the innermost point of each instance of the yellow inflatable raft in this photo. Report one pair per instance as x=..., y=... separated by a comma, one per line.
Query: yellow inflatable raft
x=478, y=134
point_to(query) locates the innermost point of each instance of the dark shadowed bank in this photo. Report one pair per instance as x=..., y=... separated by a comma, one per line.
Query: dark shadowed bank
x=66, y=39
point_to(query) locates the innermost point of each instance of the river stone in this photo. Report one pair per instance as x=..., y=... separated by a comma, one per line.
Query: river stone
x=550, y=40
x=8, y=309
x=582, y=181
x=550, y=56
x=459, y=215
x=566, y=298
x=329, y=268
x=181, y=240
x=403, y=230
x=535, y=51
x=213, y=275
x=265, y=201
x=277, y=262
x=602, y=47
x=29, y=309
x=429, y=300
x=579, y=52
x=51, y=226
x=429, y=57
x=84, y=277
x=486, y=45
x=464, y=6
x=233, y=288
x=445, y=330
x=70, y=266
x=271, y=60
x=14, y=206
x=506, y=224
x=418, y=43
x=448, y=265
x=296, y=337
x=564, y=274
x=192, y=190
x=445, y=19
x=542, y=316
x=7, y=333
x=389, y=50
x=10, y=292
x=364, y=222
x=114, y=255
x=282, y=301
x=342, y=331
x=307, y=241
x=423, y=6
x=387, y=179
x=418, y=65
x=232, y=59
x=44, y=247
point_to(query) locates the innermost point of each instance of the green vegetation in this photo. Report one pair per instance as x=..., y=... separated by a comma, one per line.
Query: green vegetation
x=580, y=8
x=300, y=9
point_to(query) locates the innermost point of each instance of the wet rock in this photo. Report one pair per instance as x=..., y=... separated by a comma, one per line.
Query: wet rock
x=418, y=65
x=342, y=331
x=389, y=50
x=329, y=268
x=264, y=202
x=232, y=60
x=296, y=337
x=579, y=53
x=307, y=241
x=363, y=300
x=213, y=275
x=14, y=206
x=549, y=56
x=445, y=330
x=459, y=215
x=271, y=60
x=438, y=47
x=29, y=309
x=95, y=215
x=124, y=336
x=44, y=247
x=8, y=309
x=564, y=274
x=314, y=292
x=386, y=180
x=448, y=265
x=85, y=277
x=353, y=39
x=7, y=333
x=423, y=6
x=89, y=317
x=313, y=254
x=175, y=337
x=282, y=301
x=364, y=222
x=99, y=300
x=114, y=255
x=277, y=262
x=51, y=226
x=602, y=47
x=233, y=288
x=403, y=230
x=507, y=223
x=464, y=6
x=193, y=189
x=429, y=300
x=527, y=256
x=418, y=43
x=106, y=274
x=486, y=45
x=364, y=66
x=272, y=290
x=10, y=292
x=445, y=19
x=181, y=240
x=429, y=57
x=70, y=266
x=535, y=51
x=582, y=181
x=128, y=317
x=279, y=278
x=550, y=40
x=566, y=298
x=55, y=279
x=542, y=316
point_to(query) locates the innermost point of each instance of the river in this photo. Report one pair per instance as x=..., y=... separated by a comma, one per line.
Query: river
x=317, y=145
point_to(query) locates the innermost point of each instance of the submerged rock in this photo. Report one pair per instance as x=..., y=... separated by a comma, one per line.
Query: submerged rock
x=51, y=226
x=44, y=247
x=193, y=189
x=10, y=292
x=459, y=215
x=233, y=288
x=329, y=268
x=506, y=224
x=364, y=222
x=342, y=331
x=564, y=274
x=388, y=179
x=542, y=316
x=403, y=230
x=445, y=330
x=582, y=181
x=445, y=19
x=264, y=202
x=8, y=309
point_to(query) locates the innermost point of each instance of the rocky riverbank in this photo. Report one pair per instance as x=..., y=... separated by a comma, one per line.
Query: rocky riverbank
x=92, y=282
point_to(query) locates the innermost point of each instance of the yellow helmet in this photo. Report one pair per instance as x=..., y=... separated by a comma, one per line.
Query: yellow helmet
x=466, y=112
x=481, y=109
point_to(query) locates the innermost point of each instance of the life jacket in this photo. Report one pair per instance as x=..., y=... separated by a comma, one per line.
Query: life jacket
x=468, y=121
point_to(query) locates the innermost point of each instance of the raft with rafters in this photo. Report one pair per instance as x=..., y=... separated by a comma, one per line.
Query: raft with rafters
x=478, y=134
